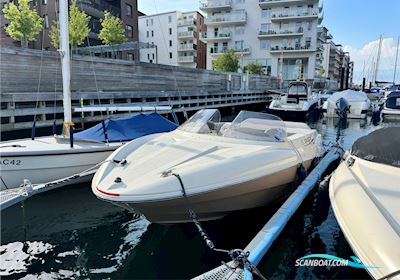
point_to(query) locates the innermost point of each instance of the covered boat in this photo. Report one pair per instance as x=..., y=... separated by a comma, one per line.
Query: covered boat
x=357, y=102
x=50, y=158
x=391, y=108
x=365, y=196
x=221, y=166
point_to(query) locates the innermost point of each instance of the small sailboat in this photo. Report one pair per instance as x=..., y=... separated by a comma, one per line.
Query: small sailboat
x=220, y=166
x=44, y=159
x=391, y=107
x=348, y=103
x=297, y=102
x=365, y=195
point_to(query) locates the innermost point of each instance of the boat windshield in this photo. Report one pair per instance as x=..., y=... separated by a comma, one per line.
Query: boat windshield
x=255, y=126
x=247, y=125
x=298, y=89
x=202, y=122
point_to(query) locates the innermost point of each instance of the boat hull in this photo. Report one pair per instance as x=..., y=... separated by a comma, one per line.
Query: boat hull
x=218, y=203
x=45, y=168
x=365, y=201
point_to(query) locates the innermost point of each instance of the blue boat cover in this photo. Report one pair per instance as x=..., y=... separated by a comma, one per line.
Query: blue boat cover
x=127, y=129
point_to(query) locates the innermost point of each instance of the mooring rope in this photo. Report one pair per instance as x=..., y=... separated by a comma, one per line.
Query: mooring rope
x=239, y=256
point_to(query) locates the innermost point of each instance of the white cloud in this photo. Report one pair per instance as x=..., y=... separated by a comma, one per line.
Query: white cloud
x=365, y=60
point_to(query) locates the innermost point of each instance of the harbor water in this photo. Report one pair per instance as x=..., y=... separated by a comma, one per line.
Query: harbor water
x=69, y=233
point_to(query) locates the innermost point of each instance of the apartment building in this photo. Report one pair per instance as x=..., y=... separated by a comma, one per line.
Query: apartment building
x=337, y=65
x=48, y=9
x=175, y=36
x=279, y=34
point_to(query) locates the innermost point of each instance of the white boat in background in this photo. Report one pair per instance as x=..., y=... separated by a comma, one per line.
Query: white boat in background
x=44, y=159
x=365, y=195
x=223, y=167
x=391, y=107
x=349, y=103
x=298, y=102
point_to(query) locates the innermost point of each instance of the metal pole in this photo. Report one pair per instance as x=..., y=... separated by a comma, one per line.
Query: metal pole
x=65, y=62
x=395, y=64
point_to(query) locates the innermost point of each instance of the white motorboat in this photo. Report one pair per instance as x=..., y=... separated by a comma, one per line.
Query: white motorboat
x=44, y=159
x=298, y=102
x=365, y=196
x=50, y=158
x=391, y=107
x=349, y=103
x=222, y=167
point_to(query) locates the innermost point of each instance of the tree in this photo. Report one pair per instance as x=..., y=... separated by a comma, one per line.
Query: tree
x=78, y=27
x=112, y=31
x=25, y=23
x=227, y=62
x=254, y=68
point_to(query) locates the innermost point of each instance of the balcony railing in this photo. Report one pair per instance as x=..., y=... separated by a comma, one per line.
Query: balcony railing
x=96, y=9
x=281, y=33
x=271, y=3
x=186, y=59
x=228, y=18
x=187, y=47
x=213, y=5
x=219, y=50
x=291, y=49
x=187, y=34
x=281, y=17
x=215, y=36
x=186, y=22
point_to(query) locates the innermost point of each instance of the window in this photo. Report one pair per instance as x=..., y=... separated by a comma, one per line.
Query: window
x=152, y=22
x=265, y=27
x=239, y=30
x=44, y=2
x=128, y=10
x=170, y=31
x=170, y=55
x=147, y=34
x=148, y=56
x=131, y=56
x=152, y=33
x=129, y=31
x=46, y=21
x=264, y=44
x=153, y=55
x=265, y=13
x=309, y=26
x=147, y=22
x=169, y=19
x=170, y=43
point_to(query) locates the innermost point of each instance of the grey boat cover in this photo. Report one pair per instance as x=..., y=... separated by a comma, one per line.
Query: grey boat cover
x=380, y=146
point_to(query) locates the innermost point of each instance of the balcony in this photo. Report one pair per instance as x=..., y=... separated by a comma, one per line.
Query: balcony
x=212, y=36
x=295, y=16
x=97, y=9
x=275, y=3
x=215, y=5
x=186, y=59
x=220, y=50
x=186, y=34
x=290, y=49
x=187, y=22
x=238, y=18
x=187, y=47
x=280, y=33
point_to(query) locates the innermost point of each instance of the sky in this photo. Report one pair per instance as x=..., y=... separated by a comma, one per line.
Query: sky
x=355, y=24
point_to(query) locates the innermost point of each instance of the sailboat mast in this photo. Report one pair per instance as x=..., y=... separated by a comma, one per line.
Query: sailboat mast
x=377, y=60
x=395, y=64
x=65, y=63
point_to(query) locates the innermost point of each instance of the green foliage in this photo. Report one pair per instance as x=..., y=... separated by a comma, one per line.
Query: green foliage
x=112, y=31
x=227, y=62
x=78, y=27
x=25, y=23
x=254, y=68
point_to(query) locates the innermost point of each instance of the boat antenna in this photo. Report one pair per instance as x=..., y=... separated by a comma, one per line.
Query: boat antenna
x=395, y=64
x=66, y=64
